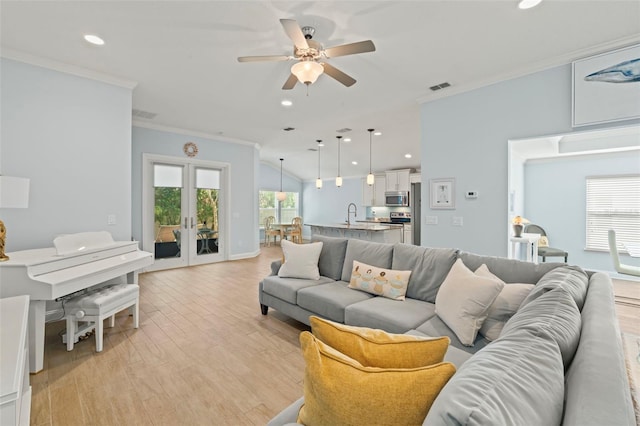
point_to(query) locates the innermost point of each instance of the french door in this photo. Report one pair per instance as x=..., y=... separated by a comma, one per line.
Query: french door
x=184, y=211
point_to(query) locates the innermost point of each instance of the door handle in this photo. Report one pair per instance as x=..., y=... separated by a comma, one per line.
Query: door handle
x=192, y=222
x=185, y=222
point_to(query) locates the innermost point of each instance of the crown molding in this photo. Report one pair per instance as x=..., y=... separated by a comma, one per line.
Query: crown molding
x=187, y=132
x=54, y=65
x=533, y=68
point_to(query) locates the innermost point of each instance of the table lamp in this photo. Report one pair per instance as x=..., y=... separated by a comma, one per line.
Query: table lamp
x=14, y=194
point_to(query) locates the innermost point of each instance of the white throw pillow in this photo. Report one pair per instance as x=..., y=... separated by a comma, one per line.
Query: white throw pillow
x=464, y=299
x=505, y=305
x=300, y=260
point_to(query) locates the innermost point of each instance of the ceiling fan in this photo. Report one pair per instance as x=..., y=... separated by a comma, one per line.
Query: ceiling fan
x=309, y=54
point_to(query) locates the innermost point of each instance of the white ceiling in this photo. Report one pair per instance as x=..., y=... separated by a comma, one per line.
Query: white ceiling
x=182, y=54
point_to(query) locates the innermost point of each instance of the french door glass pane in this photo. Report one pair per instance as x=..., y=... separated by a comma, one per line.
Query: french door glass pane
x=167, y=182
x=207, y=193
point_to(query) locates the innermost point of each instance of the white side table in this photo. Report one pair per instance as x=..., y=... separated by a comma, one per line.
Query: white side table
x=531, y=242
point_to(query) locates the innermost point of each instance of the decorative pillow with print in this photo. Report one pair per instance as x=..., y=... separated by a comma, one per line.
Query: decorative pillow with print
x=379, y=281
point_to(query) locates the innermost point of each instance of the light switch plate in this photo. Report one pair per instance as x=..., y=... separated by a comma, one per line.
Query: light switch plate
x=111, y=219
x=457, y=221
x=431, y=220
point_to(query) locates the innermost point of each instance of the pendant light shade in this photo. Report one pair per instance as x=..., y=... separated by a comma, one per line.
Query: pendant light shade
x=339, y=178
x=280, y=196
x=370, y=178
x=319, y=181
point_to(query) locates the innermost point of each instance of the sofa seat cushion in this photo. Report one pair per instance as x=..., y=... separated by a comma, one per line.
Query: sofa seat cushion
x=434, y=326
x=453, y=355
x=330, y=300
x=430, y=267
x=331, y=256
x=389, y=315
x=376, y=254
x=516, y=380
x=377, y=348
x=338, y=390
x=287, y=288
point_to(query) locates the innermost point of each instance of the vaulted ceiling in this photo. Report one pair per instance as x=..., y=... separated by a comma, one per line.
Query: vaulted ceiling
x=183, y=57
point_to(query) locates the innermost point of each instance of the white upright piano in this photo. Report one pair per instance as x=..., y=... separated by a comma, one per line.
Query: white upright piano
x=76, y=262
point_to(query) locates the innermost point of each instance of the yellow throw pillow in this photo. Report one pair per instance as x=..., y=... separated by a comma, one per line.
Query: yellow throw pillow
x=377, y=348
x=379, y=281
x=338, y=390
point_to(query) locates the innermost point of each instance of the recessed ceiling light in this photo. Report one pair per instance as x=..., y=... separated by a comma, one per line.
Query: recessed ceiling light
x=407, y=156
x=355, y=163
x=286, y=102
x=377, y=133
x=320, y=144
x=346, y=140
x=528, y=4
x=94, y=39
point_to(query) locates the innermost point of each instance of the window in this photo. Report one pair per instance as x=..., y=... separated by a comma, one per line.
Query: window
x=613, y=202
x=283, y=211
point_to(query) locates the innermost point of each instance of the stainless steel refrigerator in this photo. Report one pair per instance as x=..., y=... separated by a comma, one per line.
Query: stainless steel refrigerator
x=415, y=203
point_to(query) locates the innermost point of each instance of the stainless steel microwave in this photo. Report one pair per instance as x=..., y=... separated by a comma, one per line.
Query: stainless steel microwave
x=396, y=198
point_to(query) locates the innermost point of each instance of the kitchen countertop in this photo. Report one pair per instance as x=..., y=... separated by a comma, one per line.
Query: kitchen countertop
x=357, y=226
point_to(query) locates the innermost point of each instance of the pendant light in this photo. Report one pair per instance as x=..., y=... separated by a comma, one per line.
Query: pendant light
x=339, y=178
x=370, y=178
x=281, y=195
x=319, y=181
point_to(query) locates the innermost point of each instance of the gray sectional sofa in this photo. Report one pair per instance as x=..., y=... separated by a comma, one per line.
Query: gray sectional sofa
x=558, y=359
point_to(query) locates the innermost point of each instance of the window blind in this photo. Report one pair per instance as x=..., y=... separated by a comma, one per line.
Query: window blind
x=613, y=202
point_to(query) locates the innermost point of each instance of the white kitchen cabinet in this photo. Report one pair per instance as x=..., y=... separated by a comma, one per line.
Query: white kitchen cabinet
x=415, y=177
x=373, y=195
x=398, y=180
x=408, y=234
x=15, y=391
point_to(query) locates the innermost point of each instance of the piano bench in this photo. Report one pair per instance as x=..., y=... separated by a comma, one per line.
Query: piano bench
x=99, y=304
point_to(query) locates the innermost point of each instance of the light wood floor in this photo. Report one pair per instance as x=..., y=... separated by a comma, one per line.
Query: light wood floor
x=203, y=355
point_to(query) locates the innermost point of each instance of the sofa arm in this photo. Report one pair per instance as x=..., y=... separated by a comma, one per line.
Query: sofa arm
x=288, y=416
x=275, y=267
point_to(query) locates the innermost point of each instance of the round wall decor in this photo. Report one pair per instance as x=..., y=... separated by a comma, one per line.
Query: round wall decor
x=191, y=149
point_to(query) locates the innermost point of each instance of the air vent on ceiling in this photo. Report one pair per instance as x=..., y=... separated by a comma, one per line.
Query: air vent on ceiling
x=288, y=129
x=312, y=149
x=440, y=86
x=343, y=130
x=144, y=114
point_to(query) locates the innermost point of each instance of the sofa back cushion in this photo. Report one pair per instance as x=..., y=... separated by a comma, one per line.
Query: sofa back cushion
x=375, y=254
x=509, y=270
x=429, y=267
x=331, y=256
x=516, y=380
x=553, y=314
x=572, y=278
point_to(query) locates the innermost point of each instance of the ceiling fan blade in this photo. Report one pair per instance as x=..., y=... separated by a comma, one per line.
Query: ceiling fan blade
x=263, y=58
x=290, y=83
x=350, y=49
x=294, y=32
x=334, y=72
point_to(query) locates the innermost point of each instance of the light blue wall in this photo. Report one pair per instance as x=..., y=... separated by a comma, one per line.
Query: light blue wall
x=329, y=204
x=465, y=136
x=72, y=137
x=243, y=158
x=555, y=198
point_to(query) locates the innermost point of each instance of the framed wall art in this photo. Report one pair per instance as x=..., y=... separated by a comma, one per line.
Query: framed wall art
x=606, y=87
x=442, y=193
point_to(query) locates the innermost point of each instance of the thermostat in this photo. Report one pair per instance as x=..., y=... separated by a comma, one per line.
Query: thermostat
x=471, y=194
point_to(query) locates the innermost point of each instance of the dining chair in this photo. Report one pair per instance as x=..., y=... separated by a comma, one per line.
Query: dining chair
x=295, y=231
x=270, y=230
x=543, y=244
x=620, y=267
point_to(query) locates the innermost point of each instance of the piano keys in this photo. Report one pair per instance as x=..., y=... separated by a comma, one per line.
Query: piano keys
x=77, y=262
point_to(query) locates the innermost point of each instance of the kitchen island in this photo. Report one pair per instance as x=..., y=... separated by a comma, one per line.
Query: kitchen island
x=387, y=233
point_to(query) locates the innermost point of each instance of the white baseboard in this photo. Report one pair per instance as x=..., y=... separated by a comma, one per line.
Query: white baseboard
x=244, y=255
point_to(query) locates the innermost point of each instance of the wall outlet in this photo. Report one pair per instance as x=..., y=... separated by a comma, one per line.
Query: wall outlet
x=431, y=220
x=457, y=221
x=111, y=219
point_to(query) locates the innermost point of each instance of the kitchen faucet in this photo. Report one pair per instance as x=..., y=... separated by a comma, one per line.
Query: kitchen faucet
x=355, y=213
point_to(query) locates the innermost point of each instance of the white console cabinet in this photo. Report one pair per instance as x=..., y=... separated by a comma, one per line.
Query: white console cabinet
x=15, y=391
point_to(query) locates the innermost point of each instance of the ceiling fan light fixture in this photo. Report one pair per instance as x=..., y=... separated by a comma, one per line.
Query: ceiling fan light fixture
x=307, y=72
